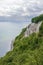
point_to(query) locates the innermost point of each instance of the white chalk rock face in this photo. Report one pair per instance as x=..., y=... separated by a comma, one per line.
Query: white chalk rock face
x=33, y=27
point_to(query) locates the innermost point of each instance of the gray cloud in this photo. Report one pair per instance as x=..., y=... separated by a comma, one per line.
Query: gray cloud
x=20, y=10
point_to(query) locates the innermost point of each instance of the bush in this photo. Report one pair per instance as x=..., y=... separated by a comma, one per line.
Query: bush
x=37, y=19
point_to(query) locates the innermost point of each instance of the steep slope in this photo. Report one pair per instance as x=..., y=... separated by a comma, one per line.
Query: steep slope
x=32, y=28
x=26, y=50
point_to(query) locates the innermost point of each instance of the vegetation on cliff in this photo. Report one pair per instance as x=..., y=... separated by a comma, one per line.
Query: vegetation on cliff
x=26, y=50
x=37, y=19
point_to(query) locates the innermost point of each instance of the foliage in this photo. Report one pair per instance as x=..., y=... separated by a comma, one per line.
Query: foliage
x=37, y=19
x=41, y=30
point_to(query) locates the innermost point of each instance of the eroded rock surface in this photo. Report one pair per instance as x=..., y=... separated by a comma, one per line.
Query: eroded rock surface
x=33, y=27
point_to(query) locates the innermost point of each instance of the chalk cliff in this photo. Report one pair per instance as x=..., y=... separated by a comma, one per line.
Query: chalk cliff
x=32, y=28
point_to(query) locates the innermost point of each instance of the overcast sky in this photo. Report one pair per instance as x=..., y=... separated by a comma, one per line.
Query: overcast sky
x=20, y=9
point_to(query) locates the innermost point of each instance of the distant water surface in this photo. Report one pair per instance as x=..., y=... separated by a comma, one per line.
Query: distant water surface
x=8, y=31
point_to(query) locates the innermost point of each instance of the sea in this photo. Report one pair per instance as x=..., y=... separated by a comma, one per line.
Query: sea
x=8, y=32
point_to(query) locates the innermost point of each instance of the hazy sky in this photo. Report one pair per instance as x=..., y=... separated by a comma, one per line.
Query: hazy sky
x=20, y=9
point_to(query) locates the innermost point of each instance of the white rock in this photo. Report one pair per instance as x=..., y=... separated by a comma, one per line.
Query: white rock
x=33, y=27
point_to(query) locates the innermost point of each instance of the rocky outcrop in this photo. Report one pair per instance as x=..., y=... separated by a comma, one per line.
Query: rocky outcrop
x=33, y=27
x=12, y=45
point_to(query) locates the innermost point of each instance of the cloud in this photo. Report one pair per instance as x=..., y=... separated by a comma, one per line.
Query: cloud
x=20, y=8
x=7, y=6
